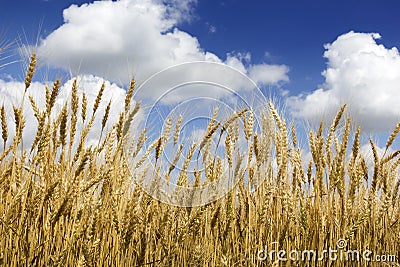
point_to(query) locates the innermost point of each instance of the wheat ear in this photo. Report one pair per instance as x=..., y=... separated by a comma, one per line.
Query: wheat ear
x=4, y=129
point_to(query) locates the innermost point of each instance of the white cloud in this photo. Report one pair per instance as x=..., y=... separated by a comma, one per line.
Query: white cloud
x=212, y=29
x=140, y=37
x=268, y=74
x=362, y=73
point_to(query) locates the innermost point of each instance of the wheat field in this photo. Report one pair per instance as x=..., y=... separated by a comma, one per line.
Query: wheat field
x=64, y=203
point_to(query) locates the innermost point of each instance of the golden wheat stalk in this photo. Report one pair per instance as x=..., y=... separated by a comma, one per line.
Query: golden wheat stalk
x=98, y=98
x=392, y=137
x=51, y=98
x=129, y=94
x=4, y=129
x=31, y=71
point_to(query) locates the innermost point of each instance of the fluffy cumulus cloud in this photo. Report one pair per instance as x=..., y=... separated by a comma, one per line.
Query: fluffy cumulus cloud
x=116, y=39
x=362, y=73
x=265, y=73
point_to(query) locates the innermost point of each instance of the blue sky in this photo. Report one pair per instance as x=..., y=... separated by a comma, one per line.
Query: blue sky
x=316, y=55
x=292, y=32
x=288, y=32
